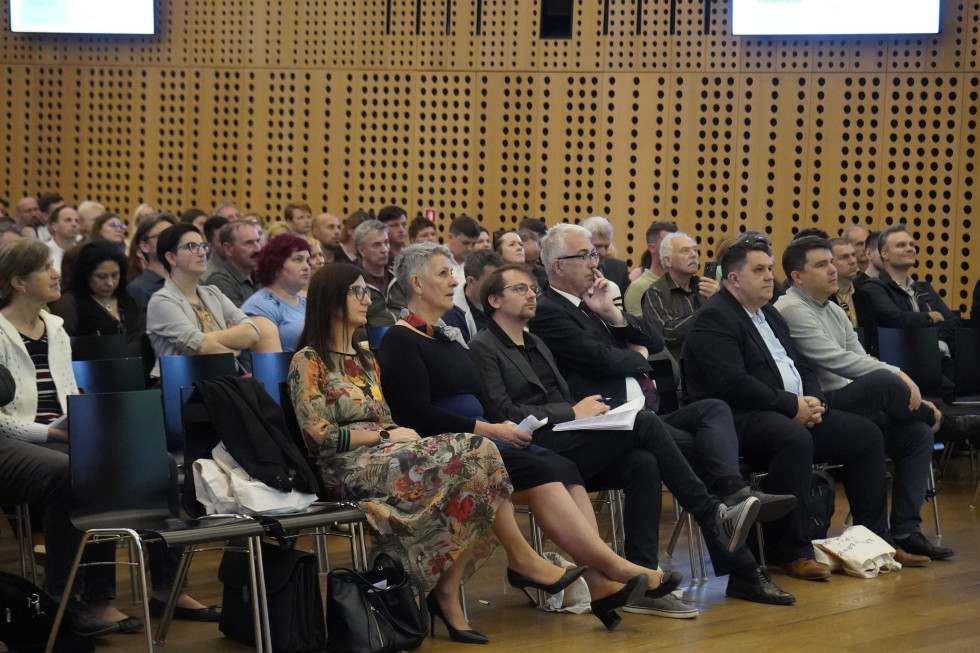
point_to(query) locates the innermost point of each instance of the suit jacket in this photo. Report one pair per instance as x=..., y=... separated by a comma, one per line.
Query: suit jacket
x=616, y=270
x=593, y=358
x=891, y=305
x=512, y=386
x=726, y=358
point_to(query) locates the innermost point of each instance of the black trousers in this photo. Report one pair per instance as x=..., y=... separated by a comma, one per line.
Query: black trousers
x=787, y=449
x=639, y=461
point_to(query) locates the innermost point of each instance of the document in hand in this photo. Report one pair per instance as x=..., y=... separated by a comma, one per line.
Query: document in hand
x=618, y=419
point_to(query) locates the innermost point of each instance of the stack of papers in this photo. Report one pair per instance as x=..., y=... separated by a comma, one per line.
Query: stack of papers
x=617, y=419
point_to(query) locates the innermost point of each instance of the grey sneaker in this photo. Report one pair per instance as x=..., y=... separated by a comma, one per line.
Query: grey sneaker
x=732, y=524
x=666, y=606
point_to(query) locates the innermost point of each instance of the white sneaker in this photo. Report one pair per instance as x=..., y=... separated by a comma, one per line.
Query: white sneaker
x=666, y=606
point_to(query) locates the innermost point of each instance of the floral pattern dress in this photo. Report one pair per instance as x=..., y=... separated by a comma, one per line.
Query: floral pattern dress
x=428, y=499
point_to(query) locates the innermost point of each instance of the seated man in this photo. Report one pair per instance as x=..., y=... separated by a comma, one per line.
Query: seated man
x=371, y=241
x=650, y=267
x=672, y=299
x=477, y=266
x=857, y=383
x=899, y=299
x=231, y=268
x=522, y=379
x=739, y=350
x=611, y=267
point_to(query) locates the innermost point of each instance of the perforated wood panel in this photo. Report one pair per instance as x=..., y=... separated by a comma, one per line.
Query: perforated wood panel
x=651, y=109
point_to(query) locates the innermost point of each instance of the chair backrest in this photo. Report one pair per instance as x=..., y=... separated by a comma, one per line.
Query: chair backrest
x=375, y=336
x=271, y=369
x=966, y=347
x=109, y=375
x=916, y=352
x=118, y=457
x=177, y=372
x=88, y=348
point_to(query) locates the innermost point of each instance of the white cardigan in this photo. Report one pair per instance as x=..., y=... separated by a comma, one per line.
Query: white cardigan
x=17, y=417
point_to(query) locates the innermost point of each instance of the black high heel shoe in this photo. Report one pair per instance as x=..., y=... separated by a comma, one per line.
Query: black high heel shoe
x=605, y=608
x=522, y=582
x=461, y=636
x=669, y=581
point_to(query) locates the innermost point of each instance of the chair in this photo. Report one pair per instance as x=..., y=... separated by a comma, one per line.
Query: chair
x=271, y=369
x=177, y=372
x=21, y=517
x=966, y=347
x=200, y=438
x=121, y=485
x=89, y=348
x=915, y=352
x=109, y=375
x=375, y=336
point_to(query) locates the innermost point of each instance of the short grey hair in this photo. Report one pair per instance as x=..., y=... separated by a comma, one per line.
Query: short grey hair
x=667, y=244
x=90, y=209
x=413, y=260
x=599, y=226
x=553, y=244
x=366, y=228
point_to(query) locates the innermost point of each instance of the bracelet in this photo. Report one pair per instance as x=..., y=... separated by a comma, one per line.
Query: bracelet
x=343, y=440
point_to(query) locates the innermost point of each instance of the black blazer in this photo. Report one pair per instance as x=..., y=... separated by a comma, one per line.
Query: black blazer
x=616, y=270
x=593, y=359
x=512, y=385
x=726, y=358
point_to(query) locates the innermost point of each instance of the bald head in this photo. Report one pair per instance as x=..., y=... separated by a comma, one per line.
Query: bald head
x=327, y=229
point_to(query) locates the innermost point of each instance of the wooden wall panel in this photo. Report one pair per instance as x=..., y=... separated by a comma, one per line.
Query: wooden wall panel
x=650, y=110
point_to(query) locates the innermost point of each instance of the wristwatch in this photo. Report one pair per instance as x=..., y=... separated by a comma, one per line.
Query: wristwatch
x=384, y=435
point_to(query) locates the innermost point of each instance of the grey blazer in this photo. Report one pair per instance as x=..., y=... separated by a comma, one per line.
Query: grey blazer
x=511, y=382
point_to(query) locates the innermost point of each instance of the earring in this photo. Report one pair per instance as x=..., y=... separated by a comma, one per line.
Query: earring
x=420, y=295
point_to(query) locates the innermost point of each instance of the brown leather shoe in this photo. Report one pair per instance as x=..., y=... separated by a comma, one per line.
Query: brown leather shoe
x=806, y=569
x=907, y=559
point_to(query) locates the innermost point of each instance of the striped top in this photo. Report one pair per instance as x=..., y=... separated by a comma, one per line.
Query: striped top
x=48, y=406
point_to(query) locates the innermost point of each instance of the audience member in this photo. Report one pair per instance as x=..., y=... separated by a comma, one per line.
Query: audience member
x=669, y=302
x=88, y=211
x=422, y=231
x=811, y=231
x=853, y=381
x=63, y=227
x=396, y=221
x=48, y=203
x=650, y=268
x=109, y=227
x=326, y=230
x=196, y=217
x=535, y=225
x=347, y=252
x=483, y=242
x=477, y=267
x=531, y=242
x=874, y=259
x=432, y=385
x=414, y=503
x=29, y=216
x=299, y=218
x=212, y=226
x=857, y=236
x=738, y=349
x=140, y=212
x=144, y=249
x=184, y=318
x=226, y=209
x=9, y=232
x=899, y=299
x=96, y=303
x=278, y=310
x=371, y=240
x=507, y=243
x=522, y=378
x=611, y=268
x=232, y=265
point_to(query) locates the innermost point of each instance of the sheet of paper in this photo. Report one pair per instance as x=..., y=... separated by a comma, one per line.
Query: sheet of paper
x=530, y=424
x=617, y=419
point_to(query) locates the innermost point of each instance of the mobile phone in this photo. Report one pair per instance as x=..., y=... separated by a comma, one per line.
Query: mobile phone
x=712, y=270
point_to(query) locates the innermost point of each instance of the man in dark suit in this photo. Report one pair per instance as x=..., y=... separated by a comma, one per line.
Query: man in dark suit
x=739, y=350
x=522, y=379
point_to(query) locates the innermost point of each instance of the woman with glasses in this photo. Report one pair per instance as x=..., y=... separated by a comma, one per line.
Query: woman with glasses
x=283, y=267
x=97, y=303
x=432, y=385
x=435, y=501
x=109, y=226
x=184, y=318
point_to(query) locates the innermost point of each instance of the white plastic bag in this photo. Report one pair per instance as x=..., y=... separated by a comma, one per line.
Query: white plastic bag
x=859, y=552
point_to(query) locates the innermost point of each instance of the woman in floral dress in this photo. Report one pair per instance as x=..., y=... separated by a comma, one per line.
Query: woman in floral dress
x=436, y=501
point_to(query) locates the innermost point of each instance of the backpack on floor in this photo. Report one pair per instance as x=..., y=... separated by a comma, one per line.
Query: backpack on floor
x=822, y=498
x=26, y=616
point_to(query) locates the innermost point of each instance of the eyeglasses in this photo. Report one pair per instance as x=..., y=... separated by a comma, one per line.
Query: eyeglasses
x=118, y=225
x=359, y=292
x=594, y=255
x=194, y=248
x=522, y=288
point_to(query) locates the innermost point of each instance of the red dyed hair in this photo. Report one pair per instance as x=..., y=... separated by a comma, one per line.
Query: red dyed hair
x=275, y=254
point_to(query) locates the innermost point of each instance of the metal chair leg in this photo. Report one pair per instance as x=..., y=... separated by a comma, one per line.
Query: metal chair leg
x=133, y=579
x=931, y=493
x=168, y=610
x=25, y=541
x=973, y=504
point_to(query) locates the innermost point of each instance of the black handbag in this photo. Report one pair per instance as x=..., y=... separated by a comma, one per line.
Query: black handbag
x=293, y=594
x=26, y=616
x=380, y=610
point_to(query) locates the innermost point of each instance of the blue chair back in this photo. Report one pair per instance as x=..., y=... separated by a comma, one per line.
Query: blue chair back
x=109, y=375
x=88, y=348
x=180, y=371
x=270, y=369
x=916, y=352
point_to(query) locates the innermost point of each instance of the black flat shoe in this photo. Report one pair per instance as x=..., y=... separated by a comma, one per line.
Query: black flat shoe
x=605, y=608
x=461, y=636
x=210, y=613
x=129, y=625
x=669, y=581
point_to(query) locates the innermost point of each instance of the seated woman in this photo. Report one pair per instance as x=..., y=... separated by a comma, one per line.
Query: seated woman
x=109, y=226
x=432, y=384
x=509, y=245
x=36, y=350
x=278, y=310
x=434, y=501
x=97, y=303
x=184, y=318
